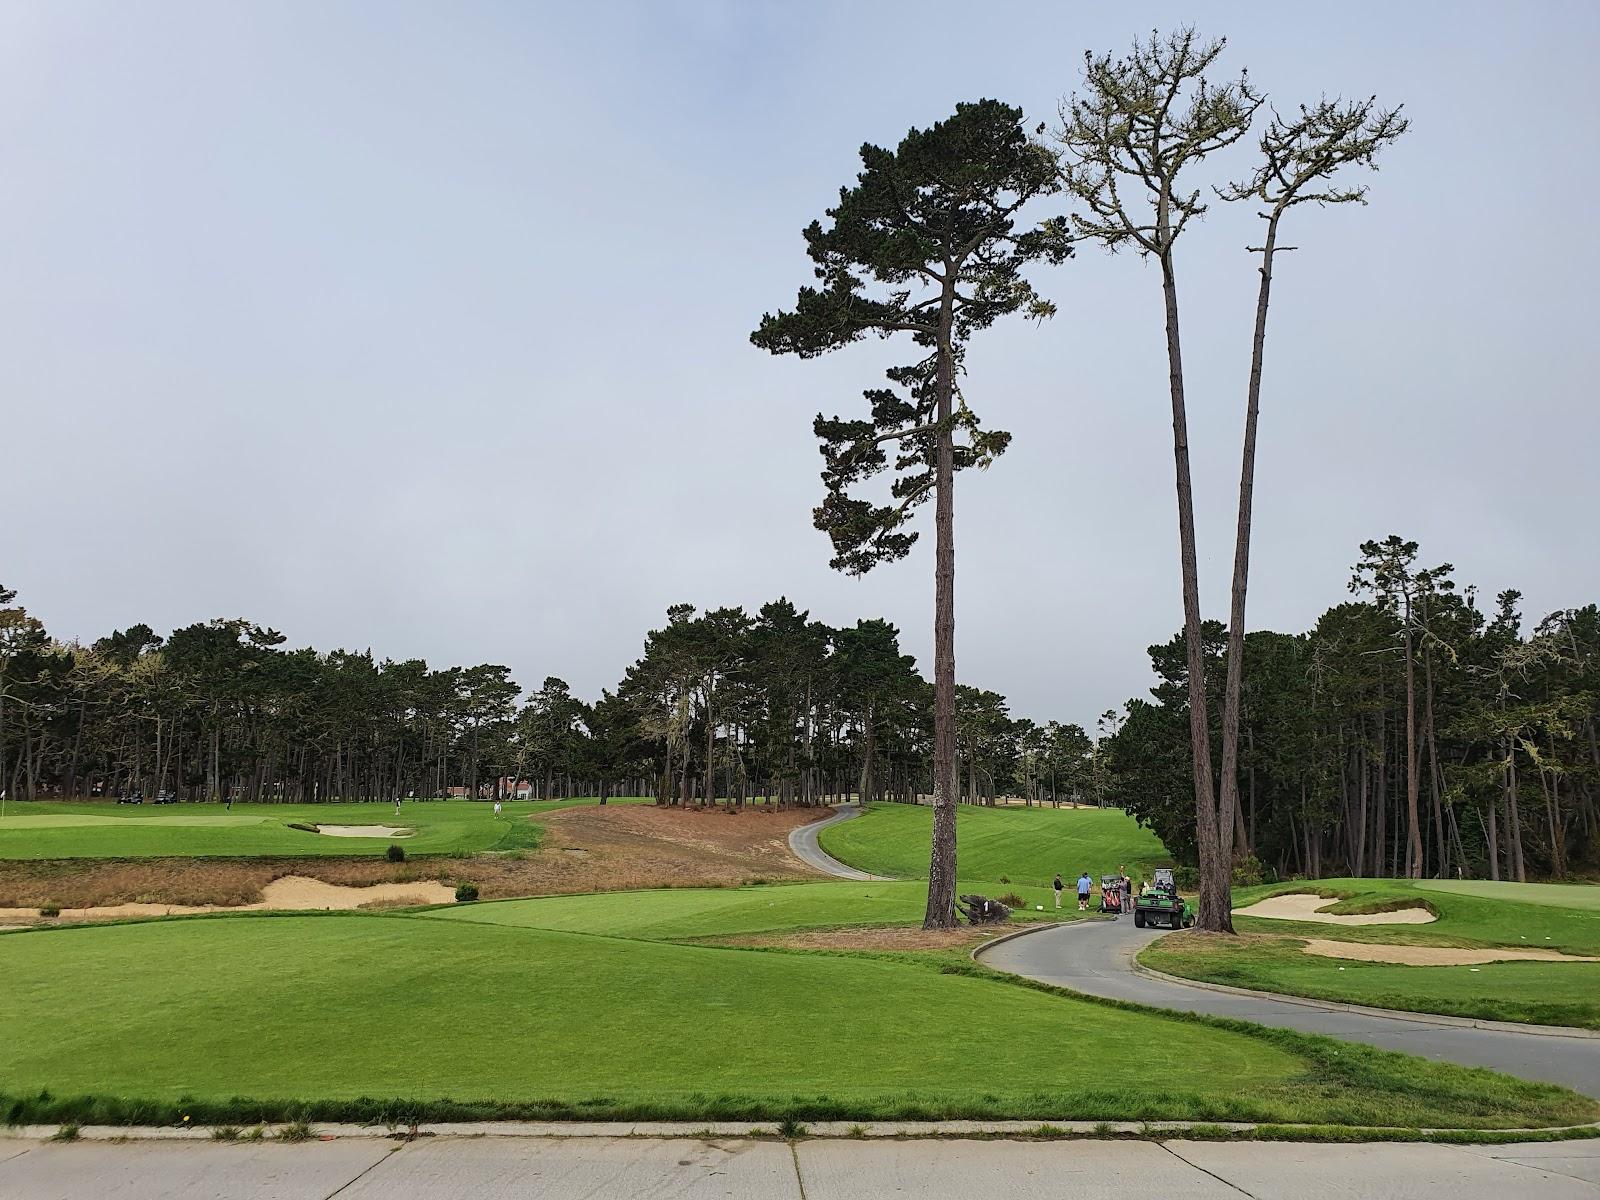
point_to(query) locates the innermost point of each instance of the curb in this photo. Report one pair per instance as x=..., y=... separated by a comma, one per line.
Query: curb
x=819, y=1130
x=1024, y=932
x=1362, y=1010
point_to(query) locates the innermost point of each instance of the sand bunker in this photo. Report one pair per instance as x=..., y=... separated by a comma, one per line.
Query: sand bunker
x=1432, y=956
x=292, y=892
x=383, y=831
x=1303, y=907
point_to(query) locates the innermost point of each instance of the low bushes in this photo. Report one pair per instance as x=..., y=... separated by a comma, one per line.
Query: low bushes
x=396, y=853
x=466, y=893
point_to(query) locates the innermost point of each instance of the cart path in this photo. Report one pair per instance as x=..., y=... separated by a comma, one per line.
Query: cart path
x=1097, y=957
x=803, y=842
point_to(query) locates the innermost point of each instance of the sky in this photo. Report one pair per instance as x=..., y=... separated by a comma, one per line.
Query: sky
x=424, y=327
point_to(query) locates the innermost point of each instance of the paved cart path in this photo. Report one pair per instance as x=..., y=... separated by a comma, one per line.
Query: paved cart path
x=803, y=842
x=1097, y=957
x=498, y=1168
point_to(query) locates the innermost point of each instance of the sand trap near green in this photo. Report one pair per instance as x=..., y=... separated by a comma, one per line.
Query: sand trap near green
x=1557, y=895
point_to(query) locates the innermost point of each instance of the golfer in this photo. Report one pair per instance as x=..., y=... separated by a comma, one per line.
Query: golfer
x=1060, y=887
x=1085, y=886
x=497, y=810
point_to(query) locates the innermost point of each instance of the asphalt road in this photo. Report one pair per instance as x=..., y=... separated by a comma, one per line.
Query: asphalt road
x=803, y=842
x=496, y=1168
x=1097, y=957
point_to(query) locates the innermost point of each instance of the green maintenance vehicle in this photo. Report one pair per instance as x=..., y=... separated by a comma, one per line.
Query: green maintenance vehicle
x=1159, y=904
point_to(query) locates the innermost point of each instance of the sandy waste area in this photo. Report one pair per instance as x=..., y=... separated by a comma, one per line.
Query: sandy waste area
x=1433, y=956
x=292, y=892
x=1304, y=907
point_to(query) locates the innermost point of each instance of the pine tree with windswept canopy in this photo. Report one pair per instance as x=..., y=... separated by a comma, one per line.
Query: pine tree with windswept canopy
x=925, y=243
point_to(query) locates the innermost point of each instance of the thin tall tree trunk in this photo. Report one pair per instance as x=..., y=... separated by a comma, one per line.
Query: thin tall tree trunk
x=941, y=912
x=1241, y=547
x=1215, y=870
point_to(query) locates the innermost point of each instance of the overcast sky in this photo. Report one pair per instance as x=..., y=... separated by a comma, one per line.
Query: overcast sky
x=424, y=327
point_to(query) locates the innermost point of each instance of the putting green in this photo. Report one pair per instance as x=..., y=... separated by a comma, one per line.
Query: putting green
x=1557, y=895
x=105, y=829
x=84, y=820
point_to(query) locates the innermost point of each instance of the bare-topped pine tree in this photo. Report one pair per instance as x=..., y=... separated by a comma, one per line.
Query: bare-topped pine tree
x=1139, y=123
x=925, y=243
x=1299, y=158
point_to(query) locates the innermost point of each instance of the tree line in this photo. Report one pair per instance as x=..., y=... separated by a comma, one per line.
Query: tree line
x=722, y=706
x=1410, y=732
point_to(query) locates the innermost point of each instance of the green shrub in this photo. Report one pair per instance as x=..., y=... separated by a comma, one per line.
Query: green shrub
x=1250, y=870
x=1012, y=900
x=225, y=1133
x=294, y=1131
x=1187, y=878
x=466, y=893
x=50, y=910
x=790, y=1128
x=396, y=853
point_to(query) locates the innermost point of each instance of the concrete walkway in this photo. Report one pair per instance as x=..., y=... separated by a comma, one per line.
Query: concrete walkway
x=1097, y=957
x=494, y=1168
x=803, y=842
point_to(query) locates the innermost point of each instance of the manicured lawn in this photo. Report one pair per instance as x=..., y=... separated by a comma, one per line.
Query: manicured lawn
x=1471, y=913
x=106, y=829
x=334, y=1008
x=710, y=912
x=1026, y=845
x=1561, y=917
x=1531, y=992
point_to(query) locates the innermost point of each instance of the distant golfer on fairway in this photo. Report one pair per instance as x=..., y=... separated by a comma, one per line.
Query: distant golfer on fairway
x=1085, y=885
x=1060, y=887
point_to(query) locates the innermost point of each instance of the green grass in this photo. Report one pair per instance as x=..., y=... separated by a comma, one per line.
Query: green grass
x=105, y=829
x=1471, y=913
x=711, y=912
x=1027, y=845
x=307, y=1017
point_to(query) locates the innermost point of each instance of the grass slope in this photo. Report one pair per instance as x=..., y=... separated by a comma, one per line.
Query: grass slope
x=329, y=1009
x=1562, y=917
x=1026, y=845
x=105, y=829
x=709, y=912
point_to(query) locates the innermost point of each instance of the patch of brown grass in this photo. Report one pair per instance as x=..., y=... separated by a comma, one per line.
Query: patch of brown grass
x=625, y=847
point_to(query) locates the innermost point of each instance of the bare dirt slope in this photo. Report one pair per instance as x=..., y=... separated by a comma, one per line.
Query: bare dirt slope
x=584, y=850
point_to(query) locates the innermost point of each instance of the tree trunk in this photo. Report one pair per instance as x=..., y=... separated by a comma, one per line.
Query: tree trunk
x=1241, y=546
x=941, y=911
x=1413, y=818
x=1215, y=869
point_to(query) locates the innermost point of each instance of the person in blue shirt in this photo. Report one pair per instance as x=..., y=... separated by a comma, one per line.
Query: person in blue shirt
x=1085, y=886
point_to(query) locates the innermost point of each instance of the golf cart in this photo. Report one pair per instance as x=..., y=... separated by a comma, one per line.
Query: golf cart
x=1160, y=904
x=1111, y=894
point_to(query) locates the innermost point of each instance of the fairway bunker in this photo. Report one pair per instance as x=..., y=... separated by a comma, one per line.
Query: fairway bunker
x=365, y=831
x=1305, y=906
x=293, y=893
x=1433, y=956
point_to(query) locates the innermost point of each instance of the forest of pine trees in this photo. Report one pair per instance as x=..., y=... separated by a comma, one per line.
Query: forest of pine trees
x=722, y=706
x=1494, y=739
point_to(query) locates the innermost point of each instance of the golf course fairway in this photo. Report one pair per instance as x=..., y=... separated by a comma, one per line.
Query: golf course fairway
x=1011, y=844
